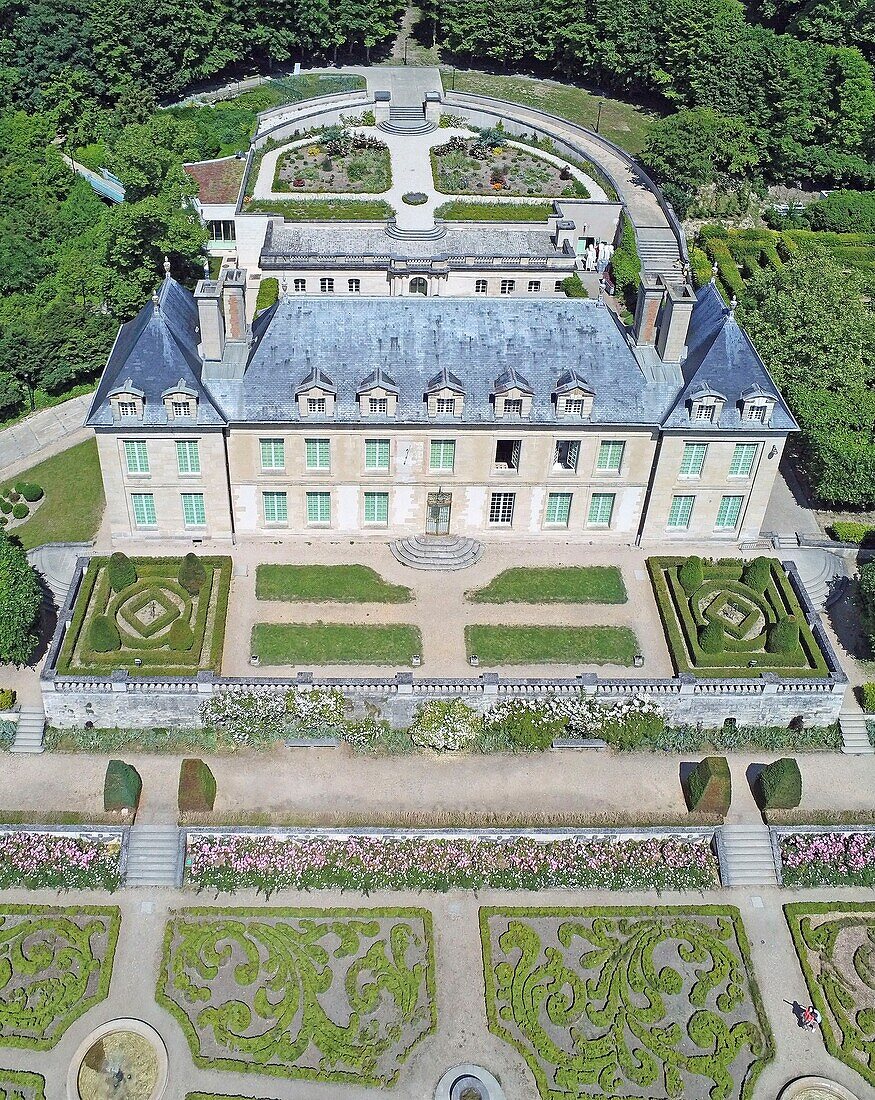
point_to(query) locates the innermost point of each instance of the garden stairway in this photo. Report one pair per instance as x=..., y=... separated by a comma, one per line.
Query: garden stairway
x=153, y=856
x=407, y=120
x=29, y=731
x=855, y=737
x=437, y=552
x=747, y=858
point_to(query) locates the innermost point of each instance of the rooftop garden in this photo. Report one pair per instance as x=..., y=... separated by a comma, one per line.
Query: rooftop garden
x=729, y=618
x=490, y=164
x=338, y=160
x=218, y=180
x=467, y=210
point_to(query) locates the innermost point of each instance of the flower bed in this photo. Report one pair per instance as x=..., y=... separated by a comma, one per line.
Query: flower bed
x=494, y=166
x=832, y=858
x=228, y=862
x=59, y=861
x=344, y=162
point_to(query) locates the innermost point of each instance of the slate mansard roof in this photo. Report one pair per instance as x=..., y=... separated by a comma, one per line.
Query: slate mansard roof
x=418, y=344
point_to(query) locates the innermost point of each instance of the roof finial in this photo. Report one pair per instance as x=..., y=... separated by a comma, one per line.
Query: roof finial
x=166, y=265
x=284, y=286
x=715, y=271
x=733, y=306
x=156, y=301
x=206, y=268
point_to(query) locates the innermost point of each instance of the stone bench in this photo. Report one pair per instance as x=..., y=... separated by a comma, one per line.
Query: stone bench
x=579, y=743
x=310, y=742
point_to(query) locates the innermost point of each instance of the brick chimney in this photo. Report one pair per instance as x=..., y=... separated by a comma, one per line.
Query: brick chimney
x=650, y=294
x=208, y=296
x=234, y=301
x=674, y=323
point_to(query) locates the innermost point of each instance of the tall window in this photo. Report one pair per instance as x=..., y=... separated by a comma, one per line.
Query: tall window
x=326, y=286
x=136, y=456
x=534, y=286
x=610, y=456
x=377, y=508
x=354, y=286
x=508, y=286
x=273, y=454
x=601, y=509
x=558, y=509
x=143, y=506
x=188, y=458
x=728, y=513
x=480, y=286
x=507, y=454
x=446, y=405
x=742, y=459
x=318, y=507
x=300, y=286
x=442, y=454
x=181, y=408
x=193, y=512
x=276, y=507
x=501, y=508
x=376, y=454
x=693, y=459
x=565, y=454
x=378, y=406
x=318, y=454
x=221, y=230
x=559, y=286
x=316, y=406
x=680, y=512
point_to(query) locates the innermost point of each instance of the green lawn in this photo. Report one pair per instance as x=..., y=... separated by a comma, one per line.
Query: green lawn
x=463, y=210
x=538, y=645
x=73, y=505
x=332, y=583
x=571, y=584
x=303, y=210
x=621, y=122
x=334, y=644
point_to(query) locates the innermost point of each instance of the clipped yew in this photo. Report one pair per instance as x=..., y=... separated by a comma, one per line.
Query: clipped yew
x=192, y=574
x=757, y=573
x=103, y=635
x=121, y=787
x=712, y=638
x=708, y=787
x=691, y=574
x=783, y=637
x=180, y=636
x=779, y=785
x=197, y=787
x=121, y=571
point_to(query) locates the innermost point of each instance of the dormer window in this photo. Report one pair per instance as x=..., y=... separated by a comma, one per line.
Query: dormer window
x=445, y=395
x=445, y=406
x=181, y=408
x=316, y=406
x=180, y=401
x=573, y=406
x=513, y=406
x=756, y=412
x=378, y=406
x=316, y=395
x=378, y=394
x=573, y=395
x=757, y=405
x=127, y=408
x=512, y=394
x=704, y=412
x=705, y=404
x=127, y=401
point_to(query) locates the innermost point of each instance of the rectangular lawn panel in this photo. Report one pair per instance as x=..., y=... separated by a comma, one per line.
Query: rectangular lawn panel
x=328, y=583
x=340, y=995
x=834, y=943
x=568, y=584
x=334, y=643
x=626, y=1001
x=74, y=500
x=536, y=645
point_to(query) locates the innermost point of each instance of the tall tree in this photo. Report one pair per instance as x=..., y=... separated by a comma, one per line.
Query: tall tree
x=20, y=600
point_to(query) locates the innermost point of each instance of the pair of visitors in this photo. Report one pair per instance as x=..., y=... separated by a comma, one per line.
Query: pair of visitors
x=591, y=257
x=811, y=1018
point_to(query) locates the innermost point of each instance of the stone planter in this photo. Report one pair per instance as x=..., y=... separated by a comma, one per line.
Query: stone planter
x=254, y=660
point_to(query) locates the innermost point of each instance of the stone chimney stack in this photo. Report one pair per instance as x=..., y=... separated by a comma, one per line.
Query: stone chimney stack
x=211, y=322
x=674, y=323
x=650, y=294
x=234, y=299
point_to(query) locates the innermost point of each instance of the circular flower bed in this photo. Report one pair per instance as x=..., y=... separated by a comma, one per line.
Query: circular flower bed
x=414, y=198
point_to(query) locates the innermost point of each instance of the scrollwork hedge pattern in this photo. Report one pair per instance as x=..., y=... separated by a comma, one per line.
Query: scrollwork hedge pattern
x=331, y=995
x=55, y=964
x=18, y=1084
x=836, y=947
x=626, y=1002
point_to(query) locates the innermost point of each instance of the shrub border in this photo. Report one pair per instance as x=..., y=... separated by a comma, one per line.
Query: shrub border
x=793, y=913
x=23, y=1078
x=106, y=966
x=273, y=912
x=730, y=911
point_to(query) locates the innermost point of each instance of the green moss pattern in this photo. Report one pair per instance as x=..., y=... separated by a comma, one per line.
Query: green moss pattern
x=835, y=943
x=55, y=965
x=325, y=994
x=18, y=1084
x=627, y=1002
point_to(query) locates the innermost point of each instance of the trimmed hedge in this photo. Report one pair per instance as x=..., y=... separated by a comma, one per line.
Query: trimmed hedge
x=121, y=787
x=867, y=696
x=121, y=571
x=20, y=510
x=779, y=785
x=708, y=787
x=783, y=637
x=103, y=635
x=197, y=787
x=691, y=574
x=192, y=575
x=757, y=574
x=712, y=638
x=862, y=534
x=7, y=698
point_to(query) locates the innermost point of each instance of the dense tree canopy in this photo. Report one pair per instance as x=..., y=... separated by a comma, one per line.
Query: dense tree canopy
x=20, y=599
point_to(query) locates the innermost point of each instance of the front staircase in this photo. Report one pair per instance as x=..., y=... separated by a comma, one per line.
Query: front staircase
x=435, y=233
x=747, y=855
x=153, y=856
x=29, y=731
x=855, y=736
x=659, y=252
x=437, y=552
x=407, y=120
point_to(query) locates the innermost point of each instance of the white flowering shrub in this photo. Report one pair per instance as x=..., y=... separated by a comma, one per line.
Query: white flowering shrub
x=529, y=724
x=626, y=724
x=248, y=717
x=445, y=725
x=319, y=712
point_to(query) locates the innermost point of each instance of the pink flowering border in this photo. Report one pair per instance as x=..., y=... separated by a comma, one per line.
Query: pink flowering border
x=827, y=857
x=42, y=859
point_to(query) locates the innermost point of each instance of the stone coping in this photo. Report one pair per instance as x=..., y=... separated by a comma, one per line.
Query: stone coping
x=804, y=1088
x=688, y=833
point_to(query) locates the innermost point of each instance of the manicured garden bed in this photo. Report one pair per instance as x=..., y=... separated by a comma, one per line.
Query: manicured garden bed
x=228, y=862
x=568, y=584
x=73, y=503
x=340, y=995
x=744, y=615
x=56, y=965
x=833, y=858
x=334, y=643
x=479, y=167
x=462, y=210
x=660, y=1002
x=58, y=861
x=345, y=165
x=326, y=583
x=323, y=210
x=834, y=943
x=536, y=645
x=171, y=630
x=18, y=1084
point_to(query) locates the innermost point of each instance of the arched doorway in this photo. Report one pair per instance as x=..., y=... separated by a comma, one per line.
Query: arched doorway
x=418, y=286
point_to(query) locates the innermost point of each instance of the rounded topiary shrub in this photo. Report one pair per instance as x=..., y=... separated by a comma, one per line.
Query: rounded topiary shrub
x=757, y=574
x=29, y=492
x=783, y=637
x=122, y=571
x=192, y=574
x=691, y=574
x=103, y=635
x=779, y=785
x=180, y=636
x=20, y=510
x=712, y=638
x=5, y=506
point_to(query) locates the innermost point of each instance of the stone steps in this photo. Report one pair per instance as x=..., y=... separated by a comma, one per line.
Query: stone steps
x=153, y=856
x=748, y=858
x=658, y=250
x=407, y=120
x=855, y=737
x=29, y=731
x=435, y=233
x=822, y=574
x=437, y=553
